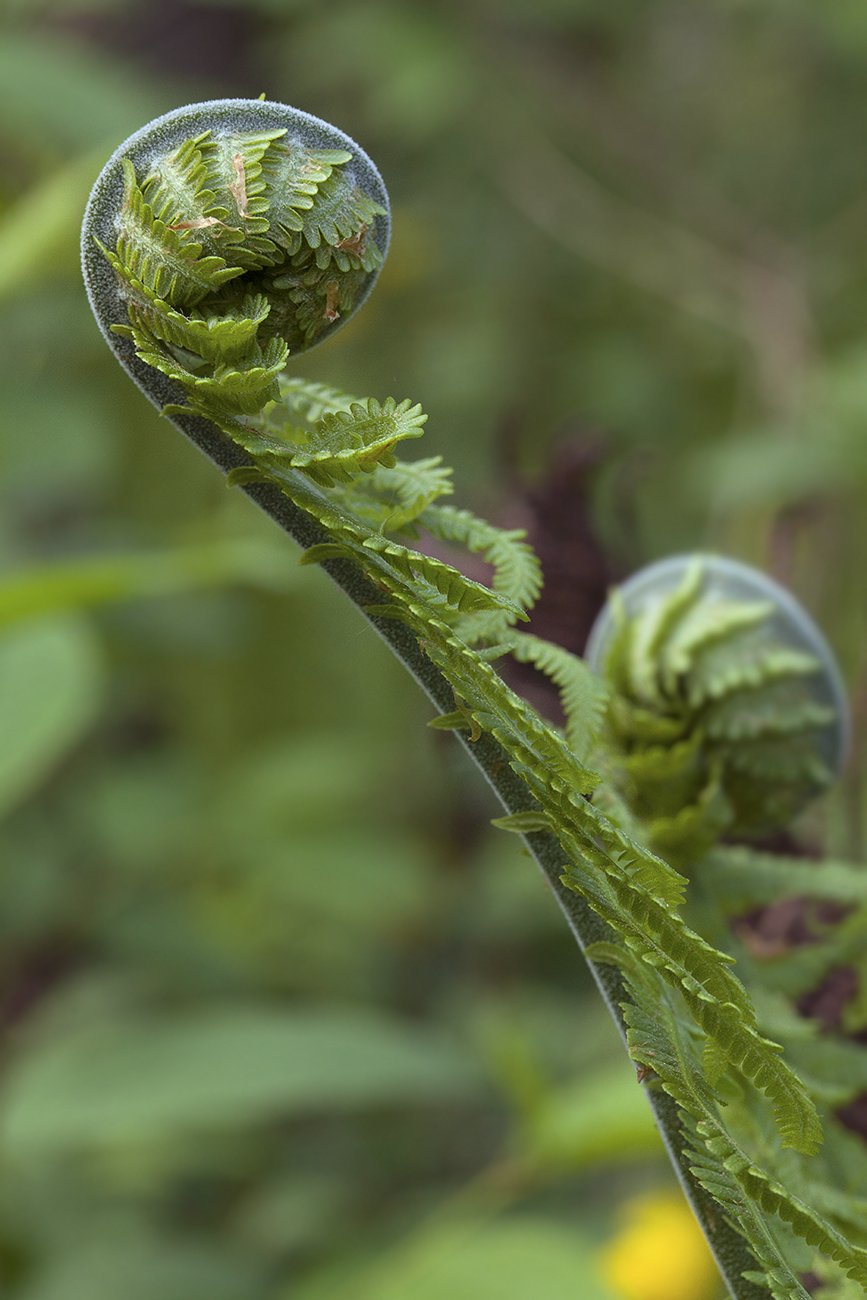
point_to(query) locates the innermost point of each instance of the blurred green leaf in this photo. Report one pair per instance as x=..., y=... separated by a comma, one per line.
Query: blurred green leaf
x=227, y=1066
x=307, y=781
x=41, y=229
x=138, y=1266
x=56, y=443
x=601, y=1118
x=50, y=678
x=103, y=579
x=416, y=66
x=61, y=98
x=283, y=1216
x=820, y=451
x=326, y=889
x=515, y=1259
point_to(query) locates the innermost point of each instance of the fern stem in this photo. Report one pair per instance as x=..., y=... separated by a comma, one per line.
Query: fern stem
x=729, y=1248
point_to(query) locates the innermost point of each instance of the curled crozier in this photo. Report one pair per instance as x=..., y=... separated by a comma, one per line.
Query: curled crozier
x=224, y=237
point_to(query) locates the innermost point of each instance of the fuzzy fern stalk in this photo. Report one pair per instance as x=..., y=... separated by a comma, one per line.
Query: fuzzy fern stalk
x=222, y=239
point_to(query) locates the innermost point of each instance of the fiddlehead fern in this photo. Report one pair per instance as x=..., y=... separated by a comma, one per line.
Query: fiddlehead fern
x=225, y=237
x=726, y=712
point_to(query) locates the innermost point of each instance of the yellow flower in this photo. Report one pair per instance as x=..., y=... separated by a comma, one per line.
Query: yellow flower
x=661, y=1253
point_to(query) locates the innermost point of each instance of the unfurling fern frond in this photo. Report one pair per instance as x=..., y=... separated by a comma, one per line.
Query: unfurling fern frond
x=744, y=879
x=337, y=225
x=583, y=694
x=257, y=210
x=237, y=243
x=168, y=262
x=340, y=444
x=716, y=1000
x=312, y=400
x=217, y=340
x=391, y=497
x=517, y=574
x=293, y=176
x=412, y=487
x=718, y=722
x=229, y=390
x=659, y=1040
x=177, y=190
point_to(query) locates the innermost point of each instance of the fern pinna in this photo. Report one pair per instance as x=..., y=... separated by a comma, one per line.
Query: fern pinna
x=227, y=237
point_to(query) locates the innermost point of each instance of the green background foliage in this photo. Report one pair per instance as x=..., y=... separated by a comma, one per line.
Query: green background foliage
x=282, y=1015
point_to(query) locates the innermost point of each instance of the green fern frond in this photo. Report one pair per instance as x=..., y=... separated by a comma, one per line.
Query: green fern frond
x=648, y=633
x=244, y=387
x=166, y=261
x=415, y=577
x=231, y=390
x=412, y=486
x=711, y=679
x=341, y=444
x=584, y=696
x=176, y=189
x=234, y=166
x=388, y=497
x=658, y=1034
x=312, y=400
x=213, y=185
x=713, y=722
x=319, y=295
x=659, y=937
x=701, y=627
x=292, y=175
x=743, y=879
x=776, y=1199
x=774, y=711
x=748, y=1193
x=715, y=998
x=517, y=573
x=657, y=1040
x=225, y=218
x=372, y=421
x=339, y=214
x=236, y=248
x=534, y=748
x=461, y=592
x=748, y=662
x=215, y=339
x=712, y=1173
x=630, y=859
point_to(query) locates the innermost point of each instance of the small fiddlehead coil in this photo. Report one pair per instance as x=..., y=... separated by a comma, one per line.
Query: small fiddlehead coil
x=727, y=713
x=224, y=237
